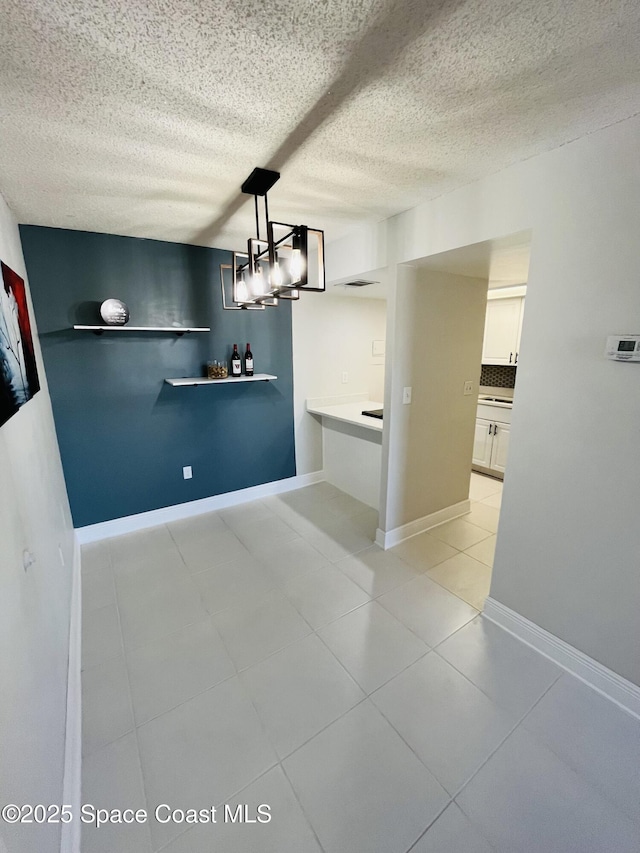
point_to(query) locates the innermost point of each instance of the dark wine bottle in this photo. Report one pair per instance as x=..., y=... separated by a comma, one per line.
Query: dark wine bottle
x=236, y=362
x=248, y=361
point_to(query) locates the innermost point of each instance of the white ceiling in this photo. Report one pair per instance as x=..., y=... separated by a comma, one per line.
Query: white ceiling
x=144, y=118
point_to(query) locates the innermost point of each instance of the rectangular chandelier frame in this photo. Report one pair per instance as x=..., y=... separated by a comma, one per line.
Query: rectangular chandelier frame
x=289, y=261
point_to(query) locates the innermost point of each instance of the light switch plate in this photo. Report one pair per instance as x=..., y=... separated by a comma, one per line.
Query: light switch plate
x=377, y=348
x=187, y=473
x=468, y=387
x=406, y=396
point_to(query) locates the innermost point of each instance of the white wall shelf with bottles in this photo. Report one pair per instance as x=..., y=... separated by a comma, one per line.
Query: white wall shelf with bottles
x=230, y=380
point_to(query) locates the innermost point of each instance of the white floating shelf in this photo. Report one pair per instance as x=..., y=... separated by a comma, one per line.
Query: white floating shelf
x=202, y=380
x=175, y=330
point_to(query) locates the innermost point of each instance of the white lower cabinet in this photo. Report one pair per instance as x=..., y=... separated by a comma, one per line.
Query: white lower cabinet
x=490, y=445
x=482, y=442
x=500, y=447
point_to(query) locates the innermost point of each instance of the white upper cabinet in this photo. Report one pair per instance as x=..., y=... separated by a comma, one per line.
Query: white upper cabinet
x=502, y=329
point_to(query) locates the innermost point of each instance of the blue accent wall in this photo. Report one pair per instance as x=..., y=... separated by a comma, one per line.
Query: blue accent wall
x=125, y=434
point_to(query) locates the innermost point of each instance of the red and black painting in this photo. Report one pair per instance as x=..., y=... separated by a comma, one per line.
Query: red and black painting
x=18, y=370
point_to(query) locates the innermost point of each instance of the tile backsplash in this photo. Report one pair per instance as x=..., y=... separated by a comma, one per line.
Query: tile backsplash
x=498, y=375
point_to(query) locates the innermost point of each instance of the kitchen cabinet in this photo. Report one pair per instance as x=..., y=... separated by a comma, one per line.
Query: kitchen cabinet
x=502, y=330
x=482, y=443
x=491, y=445
x=500, y=447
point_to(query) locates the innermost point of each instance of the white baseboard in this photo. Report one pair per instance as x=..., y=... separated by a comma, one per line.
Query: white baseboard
x=389, y=538
x=608, y=683
x=142, y=520
x=71, y=785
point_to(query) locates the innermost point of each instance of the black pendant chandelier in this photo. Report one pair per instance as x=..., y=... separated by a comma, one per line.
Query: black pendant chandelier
x=288, y=259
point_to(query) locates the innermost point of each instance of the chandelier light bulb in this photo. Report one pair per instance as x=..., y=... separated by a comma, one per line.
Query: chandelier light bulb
x=296, y=266
x=276, y=276
x=257, y=284
x=242, y=291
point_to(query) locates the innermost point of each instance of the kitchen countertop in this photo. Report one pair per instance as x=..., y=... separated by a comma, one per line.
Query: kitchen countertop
x=487, y=400
x=350, y=413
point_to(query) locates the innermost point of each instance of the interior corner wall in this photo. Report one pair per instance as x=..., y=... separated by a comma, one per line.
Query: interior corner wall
x=333, y=335
x=125, y=435
x=439, y=322
x=34, y=604
x=568, y=542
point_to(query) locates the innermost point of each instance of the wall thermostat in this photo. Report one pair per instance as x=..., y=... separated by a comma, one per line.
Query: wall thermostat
x=623, y=347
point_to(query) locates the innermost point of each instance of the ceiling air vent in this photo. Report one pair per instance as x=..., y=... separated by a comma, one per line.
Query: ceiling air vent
x=358, y=282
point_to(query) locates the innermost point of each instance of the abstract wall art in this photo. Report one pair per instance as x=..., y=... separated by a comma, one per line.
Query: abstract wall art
x=18, y=370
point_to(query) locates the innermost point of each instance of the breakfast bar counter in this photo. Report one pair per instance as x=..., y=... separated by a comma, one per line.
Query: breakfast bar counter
x=351, y=445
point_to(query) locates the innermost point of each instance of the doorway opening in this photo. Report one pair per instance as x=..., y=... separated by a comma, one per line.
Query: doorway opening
x=503, y=263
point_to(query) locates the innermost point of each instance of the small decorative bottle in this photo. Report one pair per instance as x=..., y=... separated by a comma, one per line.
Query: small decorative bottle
x=236, y=362
x=248, y=361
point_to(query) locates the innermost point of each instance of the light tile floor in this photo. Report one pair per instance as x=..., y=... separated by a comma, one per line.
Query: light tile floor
x=272, y=654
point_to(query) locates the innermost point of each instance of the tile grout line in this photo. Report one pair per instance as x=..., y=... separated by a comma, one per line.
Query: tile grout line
x=602, y=792
x=519, y=720
x=472, y=823
x=477, y=686
x=447, y=588
x=302, y=808
x=478, y=769
x=502, y=742
x=280, y=761
x=218, y=805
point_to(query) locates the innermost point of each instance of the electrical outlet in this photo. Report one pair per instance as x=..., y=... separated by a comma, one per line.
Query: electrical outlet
x=468, y=387
x=406, y=396
x=345, y=377
x=187, y=473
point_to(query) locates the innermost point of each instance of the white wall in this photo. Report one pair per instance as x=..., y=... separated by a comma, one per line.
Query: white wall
x=568, y=548
x=331, y=335
x=34, y=605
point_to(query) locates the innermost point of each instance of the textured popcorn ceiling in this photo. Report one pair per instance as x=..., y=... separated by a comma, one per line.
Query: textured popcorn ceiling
x=143, y=117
